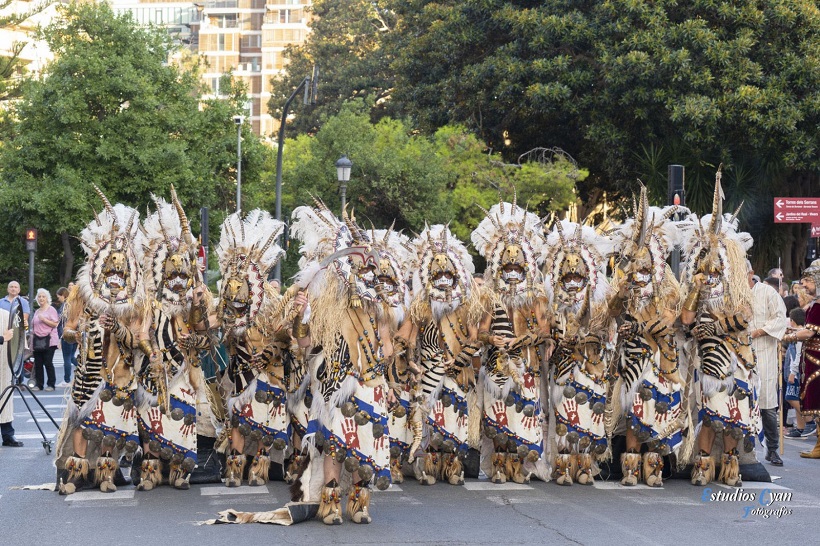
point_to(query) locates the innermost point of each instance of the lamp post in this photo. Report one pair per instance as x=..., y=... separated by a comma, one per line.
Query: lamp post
x=343, y=166
x=238, y=120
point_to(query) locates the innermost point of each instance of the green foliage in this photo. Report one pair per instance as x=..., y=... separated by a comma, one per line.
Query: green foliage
x=112, y=112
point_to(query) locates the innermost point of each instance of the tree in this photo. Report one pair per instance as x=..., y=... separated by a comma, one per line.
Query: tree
x=111, y=112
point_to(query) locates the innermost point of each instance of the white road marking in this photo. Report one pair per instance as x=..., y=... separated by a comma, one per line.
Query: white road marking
x=480, y=486
x=82, y=496
x=615, y=485
x=393, y=488
x=755, y=485
x=217, y=490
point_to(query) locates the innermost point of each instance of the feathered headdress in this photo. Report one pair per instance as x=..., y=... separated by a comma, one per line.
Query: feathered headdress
x=712, y=244
x=247, y=251
x=110, y=280
x=167, y=251
x=509, y=238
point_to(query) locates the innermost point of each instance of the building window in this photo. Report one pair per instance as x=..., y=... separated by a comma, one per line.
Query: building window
x=220, y=42
x=215, y=85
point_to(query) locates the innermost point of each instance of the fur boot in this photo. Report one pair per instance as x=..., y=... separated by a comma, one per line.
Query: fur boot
x=234, y=468
x=499, y=468
x=703, y=469
x=652, y=466
x=104, y=477
x=292, y=470
x=330, y=506
x=730, y=470
x=258, y=473
x=514, y=469
x=430, y=467
x=77, y=468
x=178, y=477
x=814, y=453
x=395, y=470
x=452, y=469
x=150, y=474
x=630, y=467
x=585, y=471
x=563, y=469
x=296, y=492
x=358, y=503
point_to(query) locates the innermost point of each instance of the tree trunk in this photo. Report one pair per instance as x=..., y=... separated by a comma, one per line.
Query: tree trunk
x=67, y=265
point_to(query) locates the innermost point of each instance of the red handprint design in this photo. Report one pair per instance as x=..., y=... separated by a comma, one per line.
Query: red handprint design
x=155, y=420
x=675, y=413
x=97, y=414
x=187, y=430
x=571, y=410
x=734, y=411
x=462, y=420
x=378, y=395
x=529, y=422
x=247, y=411
x=529, y=380
x=128, y=414
x=500, y=412
x=351, y=433
x=597, y=418
x=438, y=413
x=276, y=411
x=380, y=442
x=637, y=406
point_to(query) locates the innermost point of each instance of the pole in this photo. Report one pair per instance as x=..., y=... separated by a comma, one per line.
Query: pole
x=31, y=281
x=344, y=197
x=203, y=235
x=239, y=168
x=279, y=149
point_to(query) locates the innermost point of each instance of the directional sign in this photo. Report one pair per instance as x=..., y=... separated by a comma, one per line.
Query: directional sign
x=796, y=210
x=815, y=230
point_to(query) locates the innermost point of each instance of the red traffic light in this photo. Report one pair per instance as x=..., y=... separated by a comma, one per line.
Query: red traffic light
x=31, y=234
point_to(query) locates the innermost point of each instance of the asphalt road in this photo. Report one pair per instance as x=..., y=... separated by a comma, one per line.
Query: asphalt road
x=476, y=513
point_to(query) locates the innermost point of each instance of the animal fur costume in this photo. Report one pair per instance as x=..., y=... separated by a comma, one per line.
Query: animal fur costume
x=646, y=301
x=357, y=297
x=444, y=316
x=258, y=345
x=718, y=309
x=514, y=330
x=576, y=285
x=171, y=384
x=100, y=422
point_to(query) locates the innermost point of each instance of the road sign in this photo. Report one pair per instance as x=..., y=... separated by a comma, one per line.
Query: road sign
x=815, y=230
x=796, y=210
x=31, y=239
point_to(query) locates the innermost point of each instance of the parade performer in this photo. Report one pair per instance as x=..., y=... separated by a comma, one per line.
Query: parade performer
x=515, y=329
x=717, y=307
x=810, y=356
x=444, y=316
x=170, y=385
x=104, y=314
x=574, y=277
x=646, y=301
x=258, y=344
x=357, y=298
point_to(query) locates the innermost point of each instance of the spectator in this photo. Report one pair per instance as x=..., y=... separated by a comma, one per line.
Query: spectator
x=767, y=327
x=797, y=319
x=777, y=273
x=44, y=326
x=773, y=282
x=69, y=350
x=478, y=278
x=6, y=376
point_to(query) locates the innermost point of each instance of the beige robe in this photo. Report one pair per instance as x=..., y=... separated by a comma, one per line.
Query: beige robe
x=769, y=314
x=7, y=415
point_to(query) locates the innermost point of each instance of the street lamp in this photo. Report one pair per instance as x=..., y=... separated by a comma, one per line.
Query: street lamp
x=343, y=166
x=238, y=120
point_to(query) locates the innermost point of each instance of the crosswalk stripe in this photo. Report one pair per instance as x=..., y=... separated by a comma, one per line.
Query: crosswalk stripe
x=81, y=496
x=241, y=490
x=486, y=486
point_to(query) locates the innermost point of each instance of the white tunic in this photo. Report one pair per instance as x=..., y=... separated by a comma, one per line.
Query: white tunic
x=769, y=314
x=7, y=415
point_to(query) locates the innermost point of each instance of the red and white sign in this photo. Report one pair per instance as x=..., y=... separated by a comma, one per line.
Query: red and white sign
x=796, y=210
x=201, y=259
x=815, y=230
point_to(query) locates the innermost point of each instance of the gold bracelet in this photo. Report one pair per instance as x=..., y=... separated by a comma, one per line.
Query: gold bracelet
x=145, y=347
x=300, y=329
x=691, y=302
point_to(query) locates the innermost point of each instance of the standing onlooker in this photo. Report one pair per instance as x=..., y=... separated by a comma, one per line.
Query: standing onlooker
x=69, y=350
x=44, y=327
x=782, y=287
x=797, y=319
x=767, y=327
x=7, y=415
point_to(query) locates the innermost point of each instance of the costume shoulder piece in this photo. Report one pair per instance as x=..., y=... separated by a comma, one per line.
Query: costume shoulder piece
x=167, y=251
x=510, y=239
x=247, y=251
x=110, y=280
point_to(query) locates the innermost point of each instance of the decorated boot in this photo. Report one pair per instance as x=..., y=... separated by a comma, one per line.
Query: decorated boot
x=515, y=469
x=395, y=470
x=563, y=469
x=453, y=469
x=150, y=474
x=258, y=472
x=652, y=466
x=234, y=467
x=293, y=468
x=178, y=477
x=631, y=468
x=330, y=506
x=104, y=477
x=77, y=478
x=703, y=469
x=585, y=471
x=499, y=470
x=814, y=453
x=429, y=468
x=358, y=503
x=730, y=470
